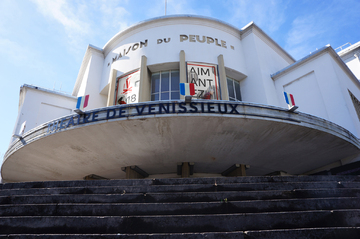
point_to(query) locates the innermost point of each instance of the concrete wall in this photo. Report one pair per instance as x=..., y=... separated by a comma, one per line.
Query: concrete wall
x=319, y=87
x=38, y=106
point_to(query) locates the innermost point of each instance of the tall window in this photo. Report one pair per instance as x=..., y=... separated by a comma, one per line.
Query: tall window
x=233, y=89
x=165, y=85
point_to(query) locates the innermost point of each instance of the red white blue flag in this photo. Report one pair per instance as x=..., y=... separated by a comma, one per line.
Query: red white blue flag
x=289, y=98
x=82, y=102
x=187, y=89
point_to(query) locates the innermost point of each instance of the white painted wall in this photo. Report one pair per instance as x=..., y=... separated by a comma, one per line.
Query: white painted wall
x=261, y=62
x=38, y=106
x=319, y=87
x=169, y=52
x=90, y=84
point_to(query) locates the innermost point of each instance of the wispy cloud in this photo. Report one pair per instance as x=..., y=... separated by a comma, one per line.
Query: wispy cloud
x=268, y=14
x=66, y=15
x=320, y=25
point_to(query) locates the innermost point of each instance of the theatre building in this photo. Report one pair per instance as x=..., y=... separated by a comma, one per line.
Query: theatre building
x=134, y=123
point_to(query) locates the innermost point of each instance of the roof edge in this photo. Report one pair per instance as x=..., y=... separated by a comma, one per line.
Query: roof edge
x=313, y=55
x=89, y=51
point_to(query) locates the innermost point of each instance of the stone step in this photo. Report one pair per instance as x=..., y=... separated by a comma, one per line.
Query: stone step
x=179, y=188
x=180, y=181
x=179, y=223
x=224, y=207
x=202, y=235
x=325, y=233
x=180, y=196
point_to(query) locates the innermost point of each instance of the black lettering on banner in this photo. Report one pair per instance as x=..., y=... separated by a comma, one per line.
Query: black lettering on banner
x=201, y=93
x=86, y=118
x=95, y=115
x=193, y=81
x=202, y=107
x=140, y=112
x=121, y=112
x=202, y=82
x=233, y=109
x=193, y=107
x=203, y=72
x=220, y=110
x=181, y=105
x=162, y=107
x=108, y=116
x=71, y=121
x=151, y=108
x=79, y=117
x=210, y=108
x=173, y=108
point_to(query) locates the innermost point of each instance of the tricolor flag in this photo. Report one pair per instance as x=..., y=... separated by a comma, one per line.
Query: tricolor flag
x=82, y=102
x=289, y=98
x=187, y=89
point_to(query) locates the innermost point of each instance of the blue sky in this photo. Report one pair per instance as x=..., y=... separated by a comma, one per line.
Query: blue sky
x=42, y=42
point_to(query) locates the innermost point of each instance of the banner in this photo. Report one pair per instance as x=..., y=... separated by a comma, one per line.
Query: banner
x=205, y=79
x=127, y=88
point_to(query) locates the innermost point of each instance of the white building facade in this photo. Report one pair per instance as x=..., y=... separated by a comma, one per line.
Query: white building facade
x=136, y=117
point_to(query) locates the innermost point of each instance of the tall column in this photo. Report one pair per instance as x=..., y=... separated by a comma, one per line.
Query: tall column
x=222, y=76
x=145, y=81
x=111, y=92
x=182, y=70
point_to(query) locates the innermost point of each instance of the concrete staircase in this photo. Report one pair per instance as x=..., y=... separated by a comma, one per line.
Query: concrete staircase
x=242, y=207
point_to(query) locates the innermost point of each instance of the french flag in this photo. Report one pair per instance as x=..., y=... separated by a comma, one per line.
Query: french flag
x=187, y=89
x=82, y=102
x=289, y=98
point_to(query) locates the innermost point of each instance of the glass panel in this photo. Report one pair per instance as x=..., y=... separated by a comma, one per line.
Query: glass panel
x=175, y=80
x=175, y=95
x=155, y=82
x=165, y=81
x=155, y=97
x=230, y=88
x=237, y=90
x=165, y=96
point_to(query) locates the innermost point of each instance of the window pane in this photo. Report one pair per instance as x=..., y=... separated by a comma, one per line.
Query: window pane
x=230, y=88
x=165, y=96
x=155, y=97
x=165, y=81
x=175, y=80
x=237, y=90
x=175, y=95
x=155, y=82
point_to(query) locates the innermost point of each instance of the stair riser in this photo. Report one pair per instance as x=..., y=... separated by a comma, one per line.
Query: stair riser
x=177, y=224
x=179, y=181
x=179, y=208
x=181, y=188
x=178, y=197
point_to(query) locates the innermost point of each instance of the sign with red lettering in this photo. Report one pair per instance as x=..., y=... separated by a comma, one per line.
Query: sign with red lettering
x=127, y=88
x=205, y=79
